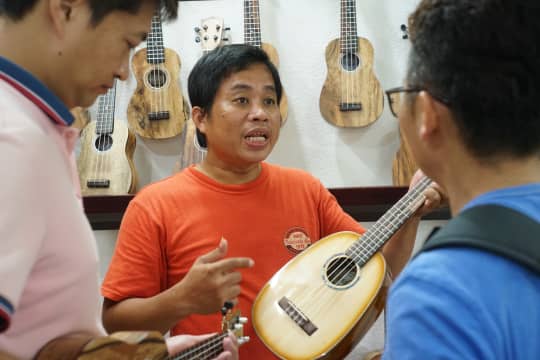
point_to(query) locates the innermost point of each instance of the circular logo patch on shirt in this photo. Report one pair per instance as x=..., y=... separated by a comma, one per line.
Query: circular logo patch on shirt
x=296, y=240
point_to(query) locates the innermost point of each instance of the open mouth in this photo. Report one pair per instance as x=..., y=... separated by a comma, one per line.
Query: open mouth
x=256, y=137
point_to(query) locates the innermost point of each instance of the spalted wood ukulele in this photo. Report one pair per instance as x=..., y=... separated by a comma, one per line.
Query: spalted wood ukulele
x=321, y=303
x=210, y=36
x=252, y=36
x=148, y=345
x=351, y=95
x=105, y=163
x=156, y=109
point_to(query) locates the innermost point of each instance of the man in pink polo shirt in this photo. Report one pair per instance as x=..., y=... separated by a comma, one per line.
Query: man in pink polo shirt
x=54, y=55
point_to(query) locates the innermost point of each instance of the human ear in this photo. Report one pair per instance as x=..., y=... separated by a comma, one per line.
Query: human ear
x=428, y=116
x=61, y=12
x=199, y=117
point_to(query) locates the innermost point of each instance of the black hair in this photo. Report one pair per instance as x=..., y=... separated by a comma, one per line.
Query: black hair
x=16, y=10
x=217, y=65
x=482, y=56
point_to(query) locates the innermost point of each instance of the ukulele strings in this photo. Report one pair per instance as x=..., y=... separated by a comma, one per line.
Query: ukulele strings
x=205, y=350
x=362, y=250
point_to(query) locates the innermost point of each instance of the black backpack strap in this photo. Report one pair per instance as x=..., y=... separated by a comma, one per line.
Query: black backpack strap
x=493, y=228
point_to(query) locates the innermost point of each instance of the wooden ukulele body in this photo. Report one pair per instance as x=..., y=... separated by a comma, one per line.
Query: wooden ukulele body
x=149, y=99
x=115, y=164
x=358, y=87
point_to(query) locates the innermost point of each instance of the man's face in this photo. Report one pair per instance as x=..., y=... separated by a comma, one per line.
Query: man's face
x=93, y=56
x=243, y=124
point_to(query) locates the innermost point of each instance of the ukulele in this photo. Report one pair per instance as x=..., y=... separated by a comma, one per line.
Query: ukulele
x=149, y=345
x=210, y=36
x=351, y=95
x=156, y=109
x=403, y=166
x=105, y=163
x=321, y=303
x=82, y=117
x=252, y=36
x=213, y=346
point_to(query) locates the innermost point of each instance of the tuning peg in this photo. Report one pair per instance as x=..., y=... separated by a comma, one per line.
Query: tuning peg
x=243, y=340
x=218, y=27
x=405, y=31
x=227, y=29
x=227, y=305
x=242, y=320
x=197, y=39
x=216, y=38
x=225, y=39
x=205, y=27
x=197, y=29
x=238, y=326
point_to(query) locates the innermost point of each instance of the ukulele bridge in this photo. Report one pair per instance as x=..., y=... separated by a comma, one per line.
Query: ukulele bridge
x=158, y=115
x=350, y=106
x=297, y=316
x=98, y=183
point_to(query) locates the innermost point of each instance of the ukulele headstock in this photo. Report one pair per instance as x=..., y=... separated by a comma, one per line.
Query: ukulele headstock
x=211, y=33
x=234, y=322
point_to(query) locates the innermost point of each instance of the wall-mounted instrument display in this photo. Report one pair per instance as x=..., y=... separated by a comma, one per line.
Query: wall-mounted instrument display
x=156, y=109
x=105, y=163
x=252, y=36
x=351, y=95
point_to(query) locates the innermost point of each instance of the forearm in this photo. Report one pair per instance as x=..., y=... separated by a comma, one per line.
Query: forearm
x=159, y=313
x=397, y=251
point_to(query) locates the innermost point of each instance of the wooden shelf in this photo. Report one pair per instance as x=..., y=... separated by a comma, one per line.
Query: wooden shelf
x=362, y=203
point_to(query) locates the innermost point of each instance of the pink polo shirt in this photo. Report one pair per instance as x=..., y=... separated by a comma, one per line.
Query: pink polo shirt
x=49, y=282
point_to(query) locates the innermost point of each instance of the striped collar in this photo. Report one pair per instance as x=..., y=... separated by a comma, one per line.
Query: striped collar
x=28, y=85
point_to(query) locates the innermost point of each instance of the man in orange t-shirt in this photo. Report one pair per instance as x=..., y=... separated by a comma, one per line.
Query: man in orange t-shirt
x=167, y=272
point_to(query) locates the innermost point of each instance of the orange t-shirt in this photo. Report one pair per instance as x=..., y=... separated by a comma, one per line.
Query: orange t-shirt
x=172, y=222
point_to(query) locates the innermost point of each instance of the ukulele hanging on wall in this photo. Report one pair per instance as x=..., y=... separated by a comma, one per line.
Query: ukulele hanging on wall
x=404, y=165
x=210, y=36
x=156, y=109
x=351, y=95
x=105, y=163
x=252, y=36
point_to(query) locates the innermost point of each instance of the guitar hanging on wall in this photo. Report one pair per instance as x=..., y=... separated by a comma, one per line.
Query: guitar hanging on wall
x=105, y=163
x=157, y=108
x=210, y=36
x=252, y=36
x=321, y=303
x=351, y=95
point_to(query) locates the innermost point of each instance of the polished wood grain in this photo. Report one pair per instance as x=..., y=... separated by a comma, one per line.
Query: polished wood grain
x=147, y=99
x=342, y=316
x=115, y=164
x=358, y=86
x=404, y=165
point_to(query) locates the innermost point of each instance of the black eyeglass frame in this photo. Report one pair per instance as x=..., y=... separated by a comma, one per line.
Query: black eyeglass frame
x=411, y=89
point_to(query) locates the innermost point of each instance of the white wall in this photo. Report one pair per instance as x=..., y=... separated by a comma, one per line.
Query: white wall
x=300, y=31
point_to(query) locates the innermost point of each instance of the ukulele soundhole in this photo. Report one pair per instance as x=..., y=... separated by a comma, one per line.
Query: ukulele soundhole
x=350, y=61
x=103, y=142
x=157, y=78
x=341, y=272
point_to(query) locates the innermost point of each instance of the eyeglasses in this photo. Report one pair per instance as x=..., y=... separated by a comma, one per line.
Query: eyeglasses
x=395, y=97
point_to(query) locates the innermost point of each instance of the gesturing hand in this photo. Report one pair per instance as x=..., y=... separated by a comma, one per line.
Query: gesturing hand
x=212, y=280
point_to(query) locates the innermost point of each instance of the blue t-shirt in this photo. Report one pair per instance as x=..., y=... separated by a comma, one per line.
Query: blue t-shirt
x=464, y=303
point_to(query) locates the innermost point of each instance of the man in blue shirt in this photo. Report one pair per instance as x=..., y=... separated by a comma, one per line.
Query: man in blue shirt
x=470, y=113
